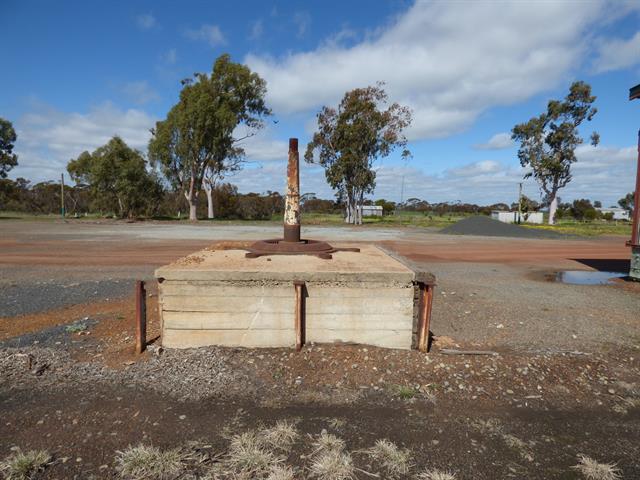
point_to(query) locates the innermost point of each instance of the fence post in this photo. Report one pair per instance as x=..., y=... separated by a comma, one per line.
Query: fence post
x=141, y=317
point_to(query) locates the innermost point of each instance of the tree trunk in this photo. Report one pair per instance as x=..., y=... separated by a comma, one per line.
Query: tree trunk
x=209, y=192
x=553, y=206
x=208, y=188
x=349, y=212
x=192, y=198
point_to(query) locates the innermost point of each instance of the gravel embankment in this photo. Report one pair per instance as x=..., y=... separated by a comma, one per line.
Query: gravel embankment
x=341, y=375
x=26, y=298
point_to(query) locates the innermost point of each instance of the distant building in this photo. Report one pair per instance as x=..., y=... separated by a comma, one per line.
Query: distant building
x=618, y=213
x=371, y=210
x=512, y=217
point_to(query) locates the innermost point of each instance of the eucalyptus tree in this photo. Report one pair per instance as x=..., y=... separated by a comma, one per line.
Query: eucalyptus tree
x=198, y=133
x=8, y=138
x=351, y=137
x=548, y=142
x=117, y=179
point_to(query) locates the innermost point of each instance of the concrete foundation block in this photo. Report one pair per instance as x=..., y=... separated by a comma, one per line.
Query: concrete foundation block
x=634, y=271
x=223, y=298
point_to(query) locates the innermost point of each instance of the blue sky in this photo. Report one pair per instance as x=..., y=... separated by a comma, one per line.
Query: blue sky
x=76, y=73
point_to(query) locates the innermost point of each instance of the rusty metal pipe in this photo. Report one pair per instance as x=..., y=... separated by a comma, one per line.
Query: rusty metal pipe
x=299, y=320
x=635, y=233
x=292, y=201
x=141, y=317
x=424, y=319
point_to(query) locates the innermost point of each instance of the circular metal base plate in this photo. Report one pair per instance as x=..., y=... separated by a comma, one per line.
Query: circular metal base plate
x=279, y=246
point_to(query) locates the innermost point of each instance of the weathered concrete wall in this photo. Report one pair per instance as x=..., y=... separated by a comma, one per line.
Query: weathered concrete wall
x=221, y=298
x=252, y=314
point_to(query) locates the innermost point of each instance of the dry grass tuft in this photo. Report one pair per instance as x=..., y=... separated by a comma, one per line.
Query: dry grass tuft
x=396, y=461
x=143, y=462
x=24, y=465
x=435, y=474
x=332, y=464
x=248, y=454
x=280, y=472
x=336, y=424
x=592, y=470
x=281, y=436
x=327, y=442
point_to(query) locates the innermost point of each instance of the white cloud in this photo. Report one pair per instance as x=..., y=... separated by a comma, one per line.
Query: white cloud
x=429, y=61
x=49, y=138
x=602, y=173
x=302, y=20
x=262, y=147
x=140, y=92
x=171, y=57
x=257, y=29
x=146, y=21
x=207, y=33
x=498, y=142
x=615, y=54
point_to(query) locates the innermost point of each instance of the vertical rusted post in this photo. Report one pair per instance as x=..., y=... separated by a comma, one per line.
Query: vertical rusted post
x=635, y=233
x=299, y=320
x=292, y=201
x=424, y=320
x=141, y=317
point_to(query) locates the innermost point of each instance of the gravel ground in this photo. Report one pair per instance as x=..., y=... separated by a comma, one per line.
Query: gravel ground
x=516, y=306
x=485, y=226
x=30, y=297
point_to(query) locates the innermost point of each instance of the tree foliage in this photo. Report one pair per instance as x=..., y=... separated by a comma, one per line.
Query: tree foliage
x=351, y=137
x=548, y=141
x=117, y=178
x=582, y=209
x=627, y=202
x=198, y=133
x=8, y=138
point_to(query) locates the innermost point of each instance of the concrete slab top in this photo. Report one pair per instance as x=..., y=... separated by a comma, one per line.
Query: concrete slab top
x=369, y=265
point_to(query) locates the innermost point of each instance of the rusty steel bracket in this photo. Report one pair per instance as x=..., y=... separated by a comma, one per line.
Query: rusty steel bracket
x=299, y=318
x=424, y=315
x=141, y=317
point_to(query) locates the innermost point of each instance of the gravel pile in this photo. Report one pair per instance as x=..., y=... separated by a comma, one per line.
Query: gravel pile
x=487, y=227
x=183, y=374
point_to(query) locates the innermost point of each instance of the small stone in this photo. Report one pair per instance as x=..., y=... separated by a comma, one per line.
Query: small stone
x=182, y=417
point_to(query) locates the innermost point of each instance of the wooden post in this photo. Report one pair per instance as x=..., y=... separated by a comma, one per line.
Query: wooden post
x=299, y=320
x=62, y=194
x=424, y=320
x=141, y=317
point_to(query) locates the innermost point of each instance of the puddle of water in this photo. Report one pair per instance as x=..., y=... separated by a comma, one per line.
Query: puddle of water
x=585, y=277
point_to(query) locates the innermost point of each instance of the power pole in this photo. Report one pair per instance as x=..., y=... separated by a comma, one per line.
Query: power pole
x=402, y=191
x=62, y=194
x=520, y=204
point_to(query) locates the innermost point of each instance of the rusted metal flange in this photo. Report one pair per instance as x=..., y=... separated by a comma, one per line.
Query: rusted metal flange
x=278, y=246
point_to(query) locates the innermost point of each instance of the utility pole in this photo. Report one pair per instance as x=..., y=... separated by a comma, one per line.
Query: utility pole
x=62, y=194
x=402, y=191
x=520, y=204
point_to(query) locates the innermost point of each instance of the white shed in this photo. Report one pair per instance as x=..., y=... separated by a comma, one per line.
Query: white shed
x=512, y=217
x=618, y=213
